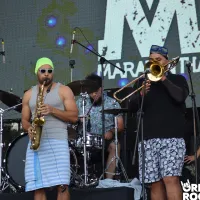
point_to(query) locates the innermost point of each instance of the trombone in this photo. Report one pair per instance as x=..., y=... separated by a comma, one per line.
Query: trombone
x=156, y=72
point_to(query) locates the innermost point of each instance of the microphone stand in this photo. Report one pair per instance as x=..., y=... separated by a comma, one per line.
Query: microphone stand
x=71, y=64
x=195, y=120
x=140, y=126
x=2, y=52
x=124, y=141
x=102, y=61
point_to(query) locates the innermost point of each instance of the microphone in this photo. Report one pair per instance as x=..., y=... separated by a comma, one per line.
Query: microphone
x=72, y=42
x=176, y=59
x=188, y=63
x=3, y=51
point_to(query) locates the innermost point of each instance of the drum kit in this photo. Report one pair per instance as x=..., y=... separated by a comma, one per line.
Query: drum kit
x=89, y=143
x=85, y=148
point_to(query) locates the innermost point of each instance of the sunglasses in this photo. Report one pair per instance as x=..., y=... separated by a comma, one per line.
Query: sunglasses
x=42, y=71
x=162, y=50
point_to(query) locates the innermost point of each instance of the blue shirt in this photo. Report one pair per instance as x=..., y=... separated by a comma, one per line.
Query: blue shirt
x=96, y=116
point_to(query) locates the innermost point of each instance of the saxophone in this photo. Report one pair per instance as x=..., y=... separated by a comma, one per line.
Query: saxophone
x=38, y=120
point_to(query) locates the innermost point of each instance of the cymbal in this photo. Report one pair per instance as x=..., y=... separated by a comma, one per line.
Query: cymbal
x=11, y=100
x=116, y=111
x=82, y=86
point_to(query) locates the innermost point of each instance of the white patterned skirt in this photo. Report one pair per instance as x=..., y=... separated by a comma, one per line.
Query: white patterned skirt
x=49, y=166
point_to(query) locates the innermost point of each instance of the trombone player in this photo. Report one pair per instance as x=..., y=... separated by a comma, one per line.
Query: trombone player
x=163, y=130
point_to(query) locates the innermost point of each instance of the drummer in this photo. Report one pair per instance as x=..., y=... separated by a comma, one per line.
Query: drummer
x=94, y=122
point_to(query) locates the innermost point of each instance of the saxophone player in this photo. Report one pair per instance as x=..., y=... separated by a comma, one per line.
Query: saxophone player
x=50, y=165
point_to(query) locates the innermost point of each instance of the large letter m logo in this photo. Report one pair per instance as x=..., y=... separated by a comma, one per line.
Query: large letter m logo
x=145, y=34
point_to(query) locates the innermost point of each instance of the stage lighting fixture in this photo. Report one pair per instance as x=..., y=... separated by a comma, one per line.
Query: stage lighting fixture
x=61, y=41
x=122, y=82
x=51, y=21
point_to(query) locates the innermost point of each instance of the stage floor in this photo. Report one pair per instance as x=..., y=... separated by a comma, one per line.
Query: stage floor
x=119, y=193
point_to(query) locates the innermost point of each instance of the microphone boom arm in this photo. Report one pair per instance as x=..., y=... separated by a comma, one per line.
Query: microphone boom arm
x=101, y=57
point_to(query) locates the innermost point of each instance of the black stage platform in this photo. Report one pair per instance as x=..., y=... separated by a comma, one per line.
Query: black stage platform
x=117, y=193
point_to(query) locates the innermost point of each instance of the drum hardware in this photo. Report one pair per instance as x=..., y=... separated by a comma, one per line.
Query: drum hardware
x=6, y=183
x=116, y=157
x=78, y=178
x=2, y=184
x=83, y=117
x=93, y=141
x=86, y=143
x=4, y=179
x=78, y=171
x=83, y=144
x=125, y=111
x=11, y=100
x=86, y=153
x=83, y=88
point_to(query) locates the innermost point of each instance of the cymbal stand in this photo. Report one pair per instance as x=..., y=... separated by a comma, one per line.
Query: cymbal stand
x=2, y=184
x=6, y=183
x=79, y=181
x=1, y=146
x=116, y=157
x=84, y=96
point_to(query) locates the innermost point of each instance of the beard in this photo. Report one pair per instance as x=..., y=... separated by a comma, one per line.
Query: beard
x=48, y=81
x=97, y=102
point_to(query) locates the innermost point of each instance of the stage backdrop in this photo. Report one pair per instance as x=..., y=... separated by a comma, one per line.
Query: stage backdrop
x=122, y=31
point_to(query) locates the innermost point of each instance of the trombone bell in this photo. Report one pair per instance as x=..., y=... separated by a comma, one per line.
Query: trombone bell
x=156, y=71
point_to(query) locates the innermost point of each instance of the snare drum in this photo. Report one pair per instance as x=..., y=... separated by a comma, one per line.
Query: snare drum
x=92, y=141
x=16, y=157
